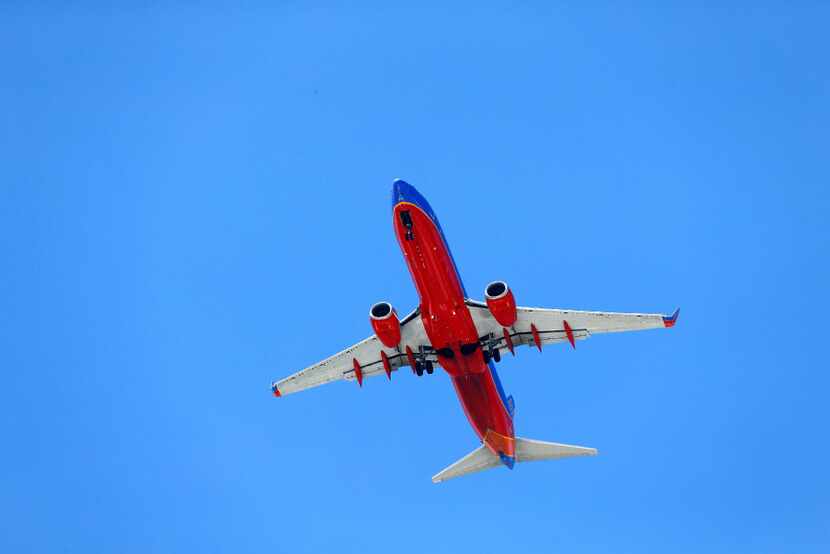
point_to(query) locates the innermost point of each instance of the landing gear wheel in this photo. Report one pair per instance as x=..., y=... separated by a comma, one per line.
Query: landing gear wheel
x=419, y=369
x=486, y=356
x=496, y=355
x=430, y=368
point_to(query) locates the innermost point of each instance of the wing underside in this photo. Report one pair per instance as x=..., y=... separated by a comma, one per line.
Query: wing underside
x=541, y=326
x=364, y=359
x=533, y=327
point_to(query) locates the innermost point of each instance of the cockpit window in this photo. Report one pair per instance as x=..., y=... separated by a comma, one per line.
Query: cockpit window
x=406, y=220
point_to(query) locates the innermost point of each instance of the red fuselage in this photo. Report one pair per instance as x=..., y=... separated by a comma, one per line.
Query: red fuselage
x=448, y=322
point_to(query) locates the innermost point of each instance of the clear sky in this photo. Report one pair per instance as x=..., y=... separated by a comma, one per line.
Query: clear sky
x=195, y=201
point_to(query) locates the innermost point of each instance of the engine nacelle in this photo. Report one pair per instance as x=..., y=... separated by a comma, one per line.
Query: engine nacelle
x=501, y=303
x=385, y=323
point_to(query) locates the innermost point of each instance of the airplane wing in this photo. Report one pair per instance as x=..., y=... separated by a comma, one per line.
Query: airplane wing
x=540, y=326
x=362, y=360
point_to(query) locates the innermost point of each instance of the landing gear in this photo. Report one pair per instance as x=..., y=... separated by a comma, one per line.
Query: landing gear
x=420, y=367
x=492, y=354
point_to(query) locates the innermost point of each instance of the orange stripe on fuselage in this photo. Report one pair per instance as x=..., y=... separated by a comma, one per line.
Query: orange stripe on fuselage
x=500, y=443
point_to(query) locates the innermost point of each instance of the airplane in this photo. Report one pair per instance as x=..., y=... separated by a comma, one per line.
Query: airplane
x=464, y=337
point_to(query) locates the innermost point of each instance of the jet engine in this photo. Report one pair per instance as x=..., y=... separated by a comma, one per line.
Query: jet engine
x=385, y=323
x=501, y=303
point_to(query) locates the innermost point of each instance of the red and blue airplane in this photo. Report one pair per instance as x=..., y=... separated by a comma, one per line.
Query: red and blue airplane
x=465, y=337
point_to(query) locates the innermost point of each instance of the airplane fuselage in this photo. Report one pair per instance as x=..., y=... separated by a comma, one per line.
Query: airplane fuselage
x=448, y=322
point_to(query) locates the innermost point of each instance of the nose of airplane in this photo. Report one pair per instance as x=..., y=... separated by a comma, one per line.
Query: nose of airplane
x=401, y=191
x=404, y=192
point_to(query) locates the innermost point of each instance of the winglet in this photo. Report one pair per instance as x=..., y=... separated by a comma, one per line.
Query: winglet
x=670, y=321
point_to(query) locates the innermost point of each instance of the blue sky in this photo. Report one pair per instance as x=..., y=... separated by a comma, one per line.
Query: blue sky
x=195, y=200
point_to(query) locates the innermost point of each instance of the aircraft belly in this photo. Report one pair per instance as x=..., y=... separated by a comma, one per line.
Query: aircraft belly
x=446, y=317
x=449, y=324
x=485, y=411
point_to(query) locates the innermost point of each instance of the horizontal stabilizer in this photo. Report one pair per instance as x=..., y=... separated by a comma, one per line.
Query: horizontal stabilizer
x=526, y=450
x=478, y=460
